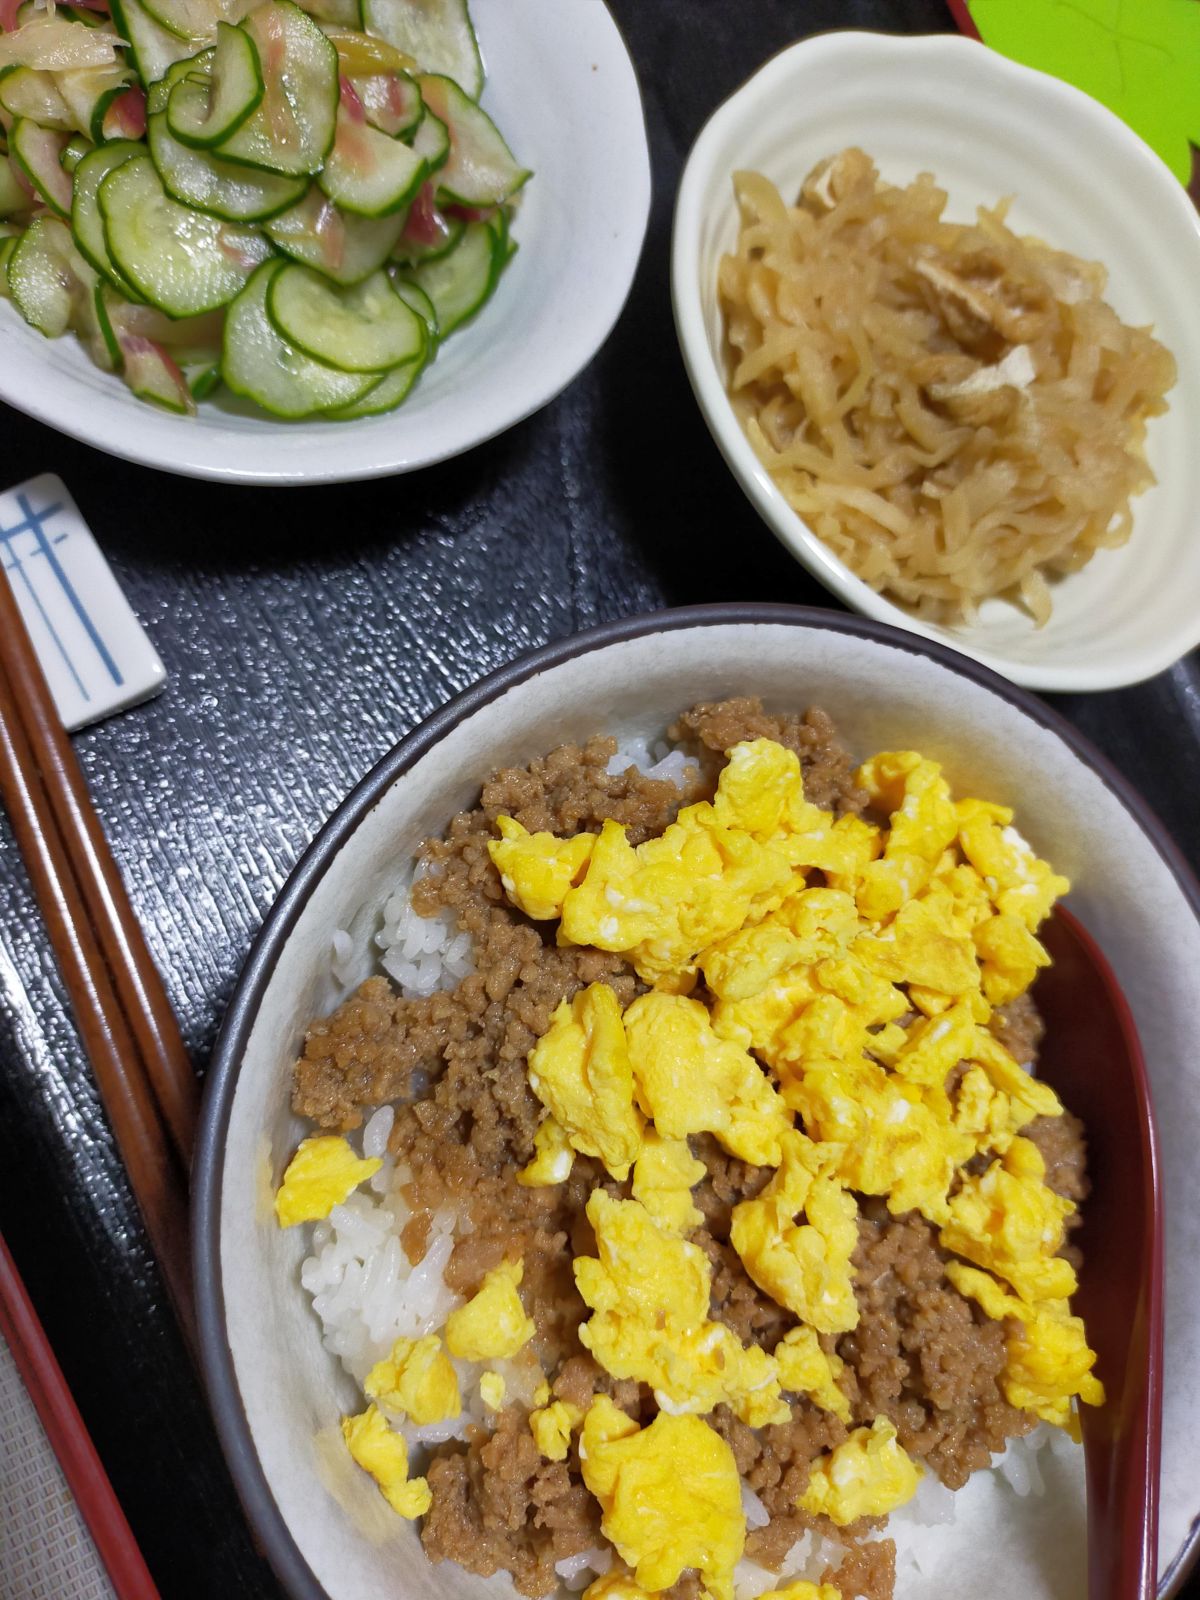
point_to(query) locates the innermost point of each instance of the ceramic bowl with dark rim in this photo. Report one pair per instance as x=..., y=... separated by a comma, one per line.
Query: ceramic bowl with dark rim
x=1079, y=179
x=278, y=1395
x=562, y=88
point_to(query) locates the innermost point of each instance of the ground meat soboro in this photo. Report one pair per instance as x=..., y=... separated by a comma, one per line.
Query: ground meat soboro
x=456, y=1063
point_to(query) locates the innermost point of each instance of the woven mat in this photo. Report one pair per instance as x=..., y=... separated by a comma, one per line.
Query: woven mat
x=46, y=1551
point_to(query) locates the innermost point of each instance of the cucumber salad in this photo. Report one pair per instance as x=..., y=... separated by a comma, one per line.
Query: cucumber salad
x=297, y=203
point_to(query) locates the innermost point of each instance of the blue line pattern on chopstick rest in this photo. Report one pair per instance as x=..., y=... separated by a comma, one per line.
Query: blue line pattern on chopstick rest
x=92, y=648
x=33, y=524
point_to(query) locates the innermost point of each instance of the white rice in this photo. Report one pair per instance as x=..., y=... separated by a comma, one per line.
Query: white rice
x=654, y=758
x=578, y=1571
x=364, y=1289
x=421, y=954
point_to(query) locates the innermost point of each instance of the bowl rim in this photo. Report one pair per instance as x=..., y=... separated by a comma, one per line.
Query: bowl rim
x=216, y=1356
x=708, y=386
x=84, y=406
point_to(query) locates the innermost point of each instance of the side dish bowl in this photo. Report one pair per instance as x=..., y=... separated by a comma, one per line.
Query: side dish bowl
x=562, y=87
x=278, y=1395
x=1082, y=181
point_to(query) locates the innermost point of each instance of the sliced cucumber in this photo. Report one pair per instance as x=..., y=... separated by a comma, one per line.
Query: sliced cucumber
x=386, y=395
x=203, y=113
x=152, y=374
x=192, y=20
x=80, y=14
x=413, y=295
x=221, y=188
x=480, y=169
x=152, y=47
x=8, y=243
x=86, y=222
x=344, y=248
x=74, y=151
x=368, y=328
x=90, y=321
x=437, y=33
x=432, y=141
x=292, y=129
x=105, y=333
x=369, y=173
x=181, y=260
x=13, y=199
x=204, y=379
x=102, y=127
x=187, y=338
x=34, y=96
x=428, y=233
x=391, y=102
x=158, y=96
x=84, y=88
x=458, y=284
x=38, y=153
x=46, y=276
x=338, y=13
x=261, y=365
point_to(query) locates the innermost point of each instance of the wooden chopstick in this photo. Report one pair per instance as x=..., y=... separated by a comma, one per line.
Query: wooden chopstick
x=74, y=912
x=138, y=984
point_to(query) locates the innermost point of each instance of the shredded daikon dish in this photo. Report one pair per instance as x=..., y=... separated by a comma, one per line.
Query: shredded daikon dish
x=954, y=410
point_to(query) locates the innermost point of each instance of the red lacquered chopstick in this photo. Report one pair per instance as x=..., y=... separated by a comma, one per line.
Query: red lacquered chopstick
x=134, y=976
x=963, y=17
x=69, y=1438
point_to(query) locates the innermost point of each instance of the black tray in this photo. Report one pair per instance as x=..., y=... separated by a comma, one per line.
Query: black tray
x=304, y=632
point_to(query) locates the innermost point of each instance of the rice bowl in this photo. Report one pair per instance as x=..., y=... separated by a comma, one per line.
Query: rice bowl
x=841, y=668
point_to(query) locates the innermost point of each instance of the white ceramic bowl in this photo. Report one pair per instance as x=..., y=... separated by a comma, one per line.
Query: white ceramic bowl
x=562, y=89
x=276, y=1392
x=1082, y=181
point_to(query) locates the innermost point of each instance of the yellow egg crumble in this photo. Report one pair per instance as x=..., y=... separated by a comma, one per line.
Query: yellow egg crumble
x=819, y=1000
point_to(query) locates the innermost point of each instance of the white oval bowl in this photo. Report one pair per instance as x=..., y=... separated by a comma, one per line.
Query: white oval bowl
x=986, y=128
x=277, y=1394
x=562, y=89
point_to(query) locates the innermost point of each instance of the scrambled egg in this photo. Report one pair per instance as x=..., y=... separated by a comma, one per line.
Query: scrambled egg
x=615, y=1585
x=867, y=1476
x=670, y=1496
x=804, y=1368
x=709, y=874
x=538, y=869
x=1019, y=884
x=1010, y=1222
x=553, y=1156
x=417, y=1379
x=804, y=1266
x=664, y=1175
x=491, y=1390
x=648, y=1290
x=922, y=822
x=858, y=994
x=579, y=1069
x=551, y=1428
x=319, y=1176
x=1047, y=1355
x=691, y=1081
x=384, y=1455
x=492, y=1326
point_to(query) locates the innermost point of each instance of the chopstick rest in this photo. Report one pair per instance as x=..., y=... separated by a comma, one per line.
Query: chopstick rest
x=94, y=652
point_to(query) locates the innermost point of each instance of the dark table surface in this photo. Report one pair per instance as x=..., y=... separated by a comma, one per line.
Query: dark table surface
x=304, y=632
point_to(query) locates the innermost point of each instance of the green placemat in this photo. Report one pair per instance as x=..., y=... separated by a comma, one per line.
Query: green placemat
x=1141, y=58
